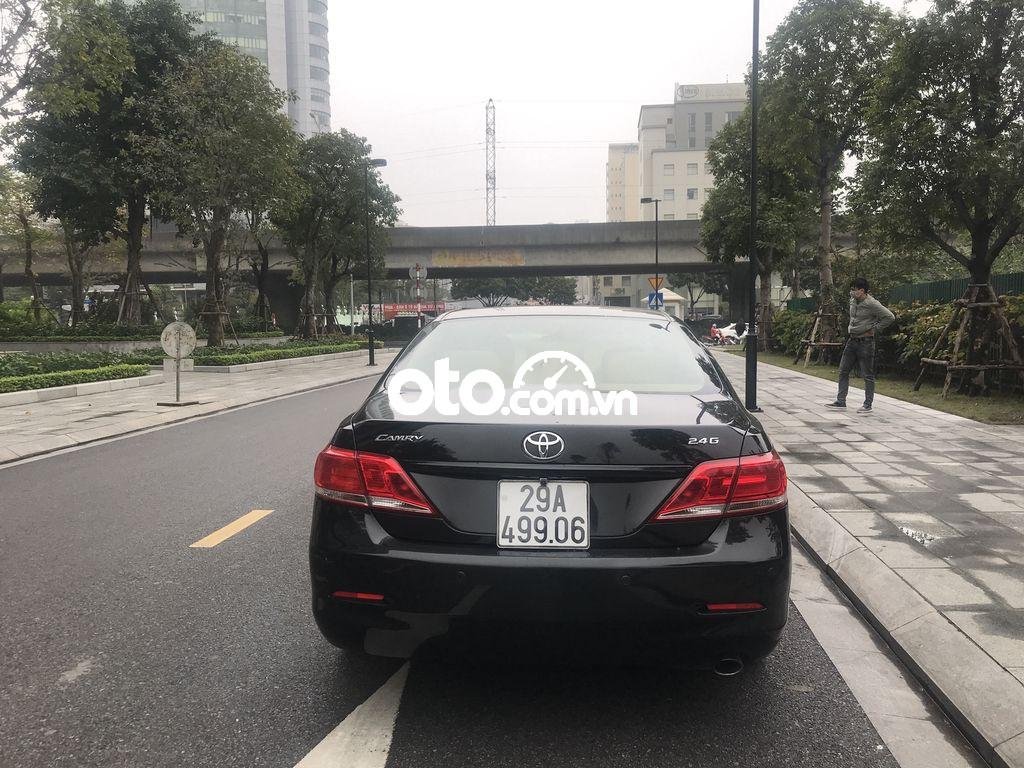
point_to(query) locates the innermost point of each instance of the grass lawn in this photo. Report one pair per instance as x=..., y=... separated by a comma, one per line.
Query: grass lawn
x=996, y=409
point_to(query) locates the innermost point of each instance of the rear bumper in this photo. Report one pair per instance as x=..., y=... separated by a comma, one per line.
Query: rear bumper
x=429, y=590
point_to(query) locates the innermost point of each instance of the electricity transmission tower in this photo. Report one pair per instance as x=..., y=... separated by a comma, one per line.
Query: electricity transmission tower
x=490, y=162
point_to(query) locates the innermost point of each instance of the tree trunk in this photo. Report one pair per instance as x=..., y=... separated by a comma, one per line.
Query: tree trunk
x=824, y=250
x=30, y=273
x=307, y=329
x=980, y=269
x=76, y=262
x=213, y=318
x=329, y=292
x=131, y=311
x=765, y=318
x=261, y=271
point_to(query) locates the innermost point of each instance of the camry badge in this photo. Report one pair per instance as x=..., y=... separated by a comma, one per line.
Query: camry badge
x=543, y=446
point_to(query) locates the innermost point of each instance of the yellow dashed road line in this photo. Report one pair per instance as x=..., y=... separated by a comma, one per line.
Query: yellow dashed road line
x=229, y=530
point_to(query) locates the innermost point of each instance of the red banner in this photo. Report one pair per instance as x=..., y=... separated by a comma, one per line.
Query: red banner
x=390, y=310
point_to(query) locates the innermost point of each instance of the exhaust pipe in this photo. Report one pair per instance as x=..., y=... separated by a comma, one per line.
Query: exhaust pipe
x=728, y=667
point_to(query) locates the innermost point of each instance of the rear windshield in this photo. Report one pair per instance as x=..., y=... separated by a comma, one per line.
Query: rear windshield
x=534, y=351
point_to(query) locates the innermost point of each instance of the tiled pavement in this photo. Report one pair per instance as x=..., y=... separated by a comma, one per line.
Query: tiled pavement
x=27, y=430
x=938, y=498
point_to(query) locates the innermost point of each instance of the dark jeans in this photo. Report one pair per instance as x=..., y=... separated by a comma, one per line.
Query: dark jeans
x=858, y=352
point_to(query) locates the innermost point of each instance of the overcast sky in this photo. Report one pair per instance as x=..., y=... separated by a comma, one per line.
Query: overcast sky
x=567, y=77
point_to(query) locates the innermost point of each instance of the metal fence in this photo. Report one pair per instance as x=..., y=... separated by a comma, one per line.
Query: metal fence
x=941, y=290
x=948, y=290
x=806, y=304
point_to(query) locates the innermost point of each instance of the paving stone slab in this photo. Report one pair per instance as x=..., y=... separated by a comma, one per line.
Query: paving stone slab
x=944, y=587
x=991, y=699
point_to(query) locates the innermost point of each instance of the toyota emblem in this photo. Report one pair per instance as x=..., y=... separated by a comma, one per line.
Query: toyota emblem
x=543, y=446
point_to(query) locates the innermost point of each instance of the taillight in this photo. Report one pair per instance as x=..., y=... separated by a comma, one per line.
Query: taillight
x=390, y=489
x=727, y=487
x=336, y=476
x=368, y=479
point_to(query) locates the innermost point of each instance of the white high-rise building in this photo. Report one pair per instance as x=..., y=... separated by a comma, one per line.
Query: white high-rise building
x=673, y=142
x=290, y=38
x=622, y=190
x=668, y=162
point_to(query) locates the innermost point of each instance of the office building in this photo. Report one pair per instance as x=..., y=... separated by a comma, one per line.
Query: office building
x=668, y=162
x=290, y=38
x=673, y=141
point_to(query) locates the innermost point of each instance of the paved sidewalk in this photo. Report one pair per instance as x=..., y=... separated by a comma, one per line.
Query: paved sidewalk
x=35, y=428
x=934, y=498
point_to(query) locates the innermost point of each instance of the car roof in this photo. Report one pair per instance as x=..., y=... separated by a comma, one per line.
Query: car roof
x=581, y=310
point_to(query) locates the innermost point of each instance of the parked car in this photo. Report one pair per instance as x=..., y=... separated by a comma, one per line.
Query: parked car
x=667, y=522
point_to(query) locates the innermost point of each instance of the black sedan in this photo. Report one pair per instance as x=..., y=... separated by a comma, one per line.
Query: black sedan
x=581, y=471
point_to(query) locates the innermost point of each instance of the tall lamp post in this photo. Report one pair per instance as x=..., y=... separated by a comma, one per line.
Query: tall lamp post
x=751, y=378
x=370, y=163
x=654, y=200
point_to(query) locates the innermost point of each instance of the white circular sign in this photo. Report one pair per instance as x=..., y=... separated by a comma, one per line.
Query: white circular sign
x=416, y=272
x=178, y=340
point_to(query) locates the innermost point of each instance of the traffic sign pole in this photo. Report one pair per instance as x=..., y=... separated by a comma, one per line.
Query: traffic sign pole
x=178, y=341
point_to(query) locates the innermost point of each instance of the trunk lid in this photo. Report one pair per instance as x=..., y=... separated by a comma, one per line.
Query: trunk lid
x=630, y=463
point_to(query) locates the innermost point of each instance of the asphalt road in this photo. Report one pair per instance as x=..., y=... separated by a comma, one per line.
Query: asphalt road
x=124, y=646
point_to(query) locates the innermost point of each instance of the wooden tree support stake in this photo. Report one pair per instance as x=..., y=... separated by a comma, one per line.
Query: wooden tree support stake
x=979, y=305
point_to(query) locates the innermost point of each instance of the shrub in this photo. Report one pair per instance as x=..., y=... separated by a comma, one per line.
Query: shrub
x=788, y=329
x=16, y=317
x=62, y=378
x=263, y=355
x=22, y=364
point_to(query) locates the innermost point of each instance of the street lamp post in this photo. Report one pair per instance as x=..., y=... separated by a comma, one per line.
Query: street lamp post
x=656, y=201
x=370, y=163
x=751, y=373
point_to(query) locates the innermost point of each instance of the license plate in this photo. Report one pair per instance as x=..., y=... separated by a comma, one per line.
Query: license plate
x=552, y=515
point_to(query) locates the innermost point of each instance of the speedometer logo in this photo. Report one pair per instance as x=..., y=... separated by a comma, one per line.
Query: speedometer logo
x=555, y=364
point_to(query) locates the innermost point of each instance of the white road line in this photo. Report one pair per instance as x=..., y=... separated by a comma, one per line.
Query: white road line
x=363, y=739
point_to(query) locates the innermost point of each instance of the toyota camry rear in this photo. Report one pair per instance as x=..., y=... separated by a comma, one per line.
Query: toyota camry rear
x=583, y=470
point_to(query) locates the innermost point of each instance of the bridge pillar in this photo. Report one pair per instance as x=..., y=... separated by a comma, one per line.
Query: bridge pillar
x=285, y=300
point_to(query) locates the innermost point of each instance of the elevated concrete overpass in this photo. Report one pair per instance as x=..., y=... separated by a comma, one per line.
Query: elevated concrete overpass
x=546, y=249
x=446, y=252
x=526, y=250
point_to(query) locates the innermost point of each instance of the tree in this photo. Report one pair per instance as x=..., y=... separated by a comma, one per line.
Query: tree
x=221, y=142
x=34, y=33
x=554, y=290
x=19, y=49
x=785, y=202
x=946, y=154
x=697, y=284
x=330, y=210
x=18, y=218
x=496, y=291
x=91, y=120
x=820, y=66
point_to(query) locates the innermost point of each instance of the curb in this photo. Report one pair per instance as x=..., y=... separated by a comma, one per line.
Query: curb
x=190, y=417
x=984, y=700
x=26, y=396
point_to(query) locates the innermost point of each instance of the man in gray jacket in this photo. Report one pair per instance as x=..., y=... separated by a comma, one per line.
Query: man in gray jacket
x=867, y=316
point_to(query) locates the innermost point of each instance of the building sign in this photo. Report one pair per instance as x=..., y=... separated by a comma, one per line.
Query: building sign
x=405, y=308
x=718, y=92
x=479, y=257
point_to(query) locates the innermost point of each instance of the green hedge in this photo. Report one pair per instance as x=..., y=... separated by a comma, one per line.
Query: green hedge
x=23, y=364
x=263, y=355
x=65, y=337
x=63, y=378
